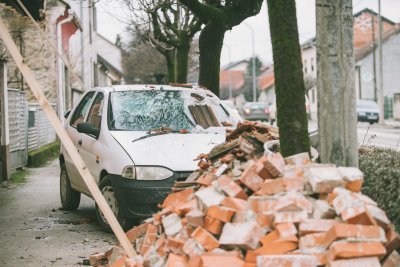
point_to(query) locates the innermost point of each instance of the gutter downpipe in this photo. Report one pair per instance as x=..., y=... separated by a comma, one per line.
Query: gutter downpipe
x=60, y=67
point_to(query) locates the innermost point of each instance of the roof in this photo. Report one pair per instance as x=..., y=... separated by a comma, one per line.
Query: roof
x=266, y=81
x=373, y=13
x=234, y=78
x=133, y=87
x=109, y=54
x=34, y=7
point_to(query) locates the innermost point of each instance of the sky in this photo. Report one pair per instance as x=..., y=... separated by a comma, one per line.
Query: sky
x=112, y=19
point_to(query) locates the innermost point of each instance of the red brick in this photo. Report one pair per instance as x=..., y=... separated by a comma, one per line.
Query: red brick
x=293, y=201
x=393, y=260
x=176, y=261
x=98, y=259
x=246, y=235
x=195, y=218
x=234, y=203
x=286, y=261
x=358, y=215
x=261, y=204
x=186, y=207
x=137, y=231
x=362, y=262
x=175, y=245
x=192, y=247
x=213, y=225
x=322, y=210
x=208, y=197
x=149, y=239
x=345, y=250
x=265, y=220
x=298, y=159
x=206, y=178
x=290, y=216
x=230, y=188
x=324, y=179
x=221, y=213
x=316, y=226
x=178, y=198
x=353, y=177
x=393, y=240
x=250, y=178
x=205, y=238
x=286, y=229
x=279, y=185
x=221, y=259
x=312, y=241
x=355, y=232
x=271, y=166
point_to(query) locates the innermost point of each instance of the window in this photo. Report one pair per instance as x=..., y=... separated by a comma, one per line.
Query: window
x=81, y=110
x=96, y=111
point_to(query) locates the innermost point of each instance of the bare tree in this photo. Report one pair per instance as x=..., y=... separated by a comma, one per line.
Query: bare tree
x=218, y=16
x=170, y=28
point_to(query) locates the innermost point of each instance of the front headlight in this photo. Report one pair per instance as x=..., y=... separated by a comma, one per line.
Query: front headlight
x=361, y=113
x=152, y=173
x=129, y=172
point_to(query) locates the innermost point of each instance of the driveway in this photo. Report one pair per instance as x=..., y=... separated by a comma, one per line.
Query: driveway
x=35, y=231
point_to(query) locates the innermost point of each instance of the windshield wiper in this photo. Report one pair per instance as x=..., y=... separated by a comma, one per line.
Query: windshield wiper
x=150, y=134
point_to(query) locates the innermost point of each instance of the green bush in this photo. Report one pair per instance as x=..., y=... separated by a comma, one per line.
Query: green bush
x=38, y=157
x=381, y=167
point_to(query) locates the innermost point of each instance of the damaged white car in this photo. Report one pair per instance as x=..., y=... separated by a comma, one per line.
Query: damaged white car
x=137, y=140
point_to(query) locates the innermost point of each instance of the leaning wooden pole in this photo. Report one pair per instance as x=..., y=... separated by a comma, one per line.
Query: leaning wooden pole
x=65, y=140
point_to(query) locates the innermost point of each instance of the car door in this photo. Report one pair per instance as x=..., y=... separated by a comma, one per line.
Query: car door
x=90, y=147
x=77, y=117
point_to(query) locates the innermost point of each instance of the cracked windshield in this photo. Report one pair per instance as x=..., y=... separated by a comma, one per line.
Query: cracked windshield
x=151, y=110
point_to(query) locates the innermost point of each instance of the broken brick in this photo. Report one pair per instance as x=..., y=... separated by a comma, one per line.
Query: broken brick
x=300, y=159
x=250, y=178
x=137, y=231
x=393, y=260
x=345, y=250
x=286, y=229
x=209, y=197
x=353, y=177
x=324, y=179
x=192, y=247
x=234, y=203
x=221, y=259
x=286, y=261
x=322, y=210
x=221, y=213
x=206, y=179
x=178, y=198
x=279, y=185
x=176, y=261
x=229, y=187
x=172, y=224
x=243, y=235
x=293, y=201
x=359, y=233
x=393, y=240
x=205, y=238
x=261, y=204
x=316, y=226
x=290, y=216
x=150, y=238
x=365, y=262
x=312, y=241
x=213, y=225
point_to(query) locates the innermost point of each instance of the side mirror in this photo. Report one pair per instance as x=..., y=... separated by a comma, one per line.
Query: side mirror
x=66, y=114
x=88, y=128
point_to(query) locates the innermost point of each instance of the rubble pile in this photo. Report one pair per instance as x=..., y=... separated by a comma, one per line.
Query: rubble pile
x=243, y=208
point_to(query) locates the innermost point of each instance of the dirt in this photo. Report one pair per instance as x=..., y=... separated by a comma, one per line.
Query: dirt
x=36, y=231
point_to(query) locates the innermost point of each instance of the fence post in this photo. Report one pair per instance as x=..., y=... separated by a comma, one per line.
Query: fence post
x=5, y=134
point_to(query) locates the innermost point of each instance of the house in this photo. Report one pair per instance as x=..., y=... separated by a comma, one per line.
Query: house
x=366, y=58
x=266, y=85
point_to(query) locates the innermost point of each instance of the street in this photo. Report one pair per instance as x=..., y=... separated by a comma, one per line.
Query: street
x=37, y=232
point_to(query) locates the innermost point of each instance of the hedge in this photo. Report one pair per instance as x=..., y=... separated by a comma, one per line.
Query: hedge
x=381, y=167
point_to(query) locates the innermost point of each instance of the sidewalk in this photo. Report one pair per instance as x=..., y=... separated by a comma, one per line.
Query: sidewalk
x=35, y=231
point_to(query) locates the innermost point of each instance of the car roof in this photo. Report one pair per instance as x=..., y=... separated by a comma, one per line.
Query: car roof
x=141, y=87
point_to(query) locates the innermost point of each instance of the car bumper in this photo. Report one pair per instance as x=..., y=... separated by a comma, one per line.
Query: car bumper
x=253, y=117
x=140, y=199
x=365, y=118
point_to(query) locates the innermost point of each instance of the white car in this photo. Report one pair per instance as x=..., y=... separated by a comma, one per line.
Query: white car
x=137, y=140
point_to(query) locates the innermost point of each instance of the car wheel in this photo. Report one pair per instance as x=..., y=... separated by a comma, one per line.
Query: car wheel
x=108, y=193
x=70, y=198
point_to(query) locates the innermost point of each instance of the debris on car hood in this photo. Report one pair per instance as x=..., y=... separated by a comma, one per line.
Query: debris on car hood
x=244, y=208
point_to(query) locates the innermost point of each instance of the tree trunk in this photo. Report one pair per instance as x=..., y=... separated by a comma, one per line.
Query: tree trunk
x=171, y=66
x=182, y=56
x=210, y=45
x=337, y=118
x=289, y=82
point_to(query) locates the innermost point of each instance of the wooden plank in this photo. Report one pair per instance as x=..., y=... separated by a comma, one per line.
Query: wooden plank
x=65, y=140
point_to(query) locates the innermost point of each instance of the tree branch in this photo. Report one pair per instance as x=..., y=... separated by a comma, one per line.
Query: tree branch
x=204, y=12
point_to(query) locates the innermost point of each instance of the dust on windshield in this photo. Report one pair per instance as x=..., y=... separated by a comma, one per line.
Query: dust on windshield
x=148, y=109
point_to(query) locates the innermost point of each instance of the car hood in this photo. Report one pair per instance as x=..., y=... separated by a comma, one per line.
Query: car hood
x=174, y=151
x=372, y=110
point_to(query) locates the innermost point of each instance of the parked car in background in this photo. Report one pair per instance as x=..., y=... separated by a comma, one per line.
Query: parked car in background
x=367, y=111
x=256, y=111
x=231, y=106
x=136, y=141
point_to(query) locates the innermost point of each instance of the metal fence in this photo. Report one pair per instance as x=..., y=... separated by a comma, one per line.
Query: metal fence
x=29, y=128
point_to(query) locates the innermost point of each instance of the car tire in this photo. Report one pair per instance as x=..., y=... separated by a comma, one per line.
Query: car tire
x=108, y=193
x=70, y=198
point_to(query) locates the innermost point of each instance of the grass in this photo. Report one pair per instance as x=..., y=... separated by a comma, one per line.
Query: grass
x=18, y=176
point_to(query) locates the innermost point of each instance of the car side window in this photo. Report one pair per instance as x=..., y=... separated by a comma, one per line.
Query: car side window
x=96, y=111
x=81, y=110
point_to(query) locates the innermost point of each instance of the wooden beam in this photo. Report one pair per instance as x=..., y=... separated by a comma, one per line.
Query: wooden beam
x=65, y=140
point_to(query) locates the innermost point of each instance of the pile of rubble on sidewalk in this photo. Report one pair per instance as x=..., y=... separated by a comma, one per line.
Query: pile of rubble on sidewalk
x=243, y=208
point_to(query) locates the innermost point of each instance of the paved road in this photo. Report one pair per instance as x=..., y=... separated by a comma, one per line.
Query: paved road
x=35, y=231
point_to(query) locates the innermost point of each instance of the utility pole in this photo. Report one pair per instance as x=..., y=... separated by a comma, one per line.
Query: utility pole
x=374, y=59
x=380, y=68
x=253, y=60
x=337, y=118
x=5, y=134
